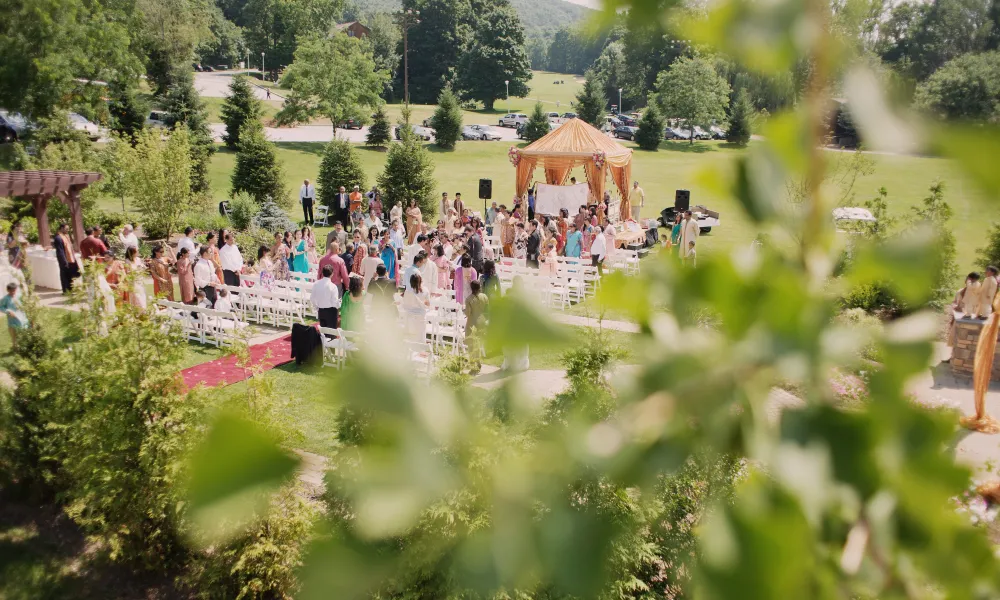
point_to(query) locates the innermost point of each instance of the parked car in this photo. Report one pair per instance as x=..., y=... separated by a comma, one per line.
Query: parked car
x=676, y=133
x=207, y=68
x=424, y=133
x=198, y=68
x=159, y=119
x=479, y=132
x=701, y=134
x=610, y=123
x=13, y=126
x=80, y=123
x=717, y=132
x=569, y=116
x=625, y=132
x=552, y=115
x=627, y=120
x=513, y=119
x=351, y=124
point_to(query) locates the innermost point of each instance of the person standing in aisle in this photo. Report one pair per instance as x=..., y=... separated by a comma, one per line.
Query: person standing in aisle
x=307, y=196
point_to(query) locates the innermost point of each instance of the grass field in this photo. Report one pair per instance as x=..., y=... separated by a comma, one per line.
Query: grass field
x=676, y=165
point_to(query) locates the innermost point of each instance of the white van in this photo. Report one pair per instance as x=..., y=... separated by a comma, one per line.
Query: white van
x=513, y=119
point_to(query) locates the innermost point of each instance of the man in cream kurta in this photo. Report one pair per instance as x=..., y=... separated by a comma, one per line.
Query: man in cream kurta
x=689, y=232
x=637, y=199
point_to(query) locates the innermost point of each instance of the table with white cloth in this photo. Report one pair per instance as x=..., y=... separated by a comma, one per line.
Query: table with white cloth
x=44, y=267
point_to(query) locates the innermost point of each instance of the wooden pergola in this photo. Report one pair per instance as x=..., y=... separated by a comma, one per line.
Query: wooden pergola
x=40, y=186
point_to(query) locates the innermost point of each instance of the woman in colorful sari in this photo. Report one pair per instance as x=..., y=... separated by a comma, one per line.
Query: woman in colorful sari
x=300, y=262
x=675, y=234
x=388, y=255
x=279, y=255
x=360, y=253
x=413, y=218
x=159, y=269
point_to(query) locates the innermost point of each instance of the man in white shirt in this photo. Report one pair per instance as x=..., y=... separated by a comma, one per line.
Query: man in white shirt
x=418, y=262
x=128, y=238
x=413, y=249
x=204, y=275
x=188, y=242
x=326, y=299
x=637, y=199
x=307, y=194
x=232, y=261
x=491, y=214
x=372, y=221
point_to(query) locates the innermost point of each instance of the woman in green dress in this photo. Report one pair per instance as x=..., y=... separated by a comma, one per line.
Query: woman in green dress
x=675, y=234
x=300, y=258
x=352, y=310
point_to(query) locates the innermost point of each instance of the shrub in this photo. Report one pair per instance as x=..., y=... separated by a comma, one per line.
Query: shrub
x=876, y=299
x=242, y=210
x=447, y=120
x=650, y=132
x=990, y=253
x=272, y=218
x=380, y=131
x=537, y=126
x=262, y=561
x=865, y=325
x=109, y=221
x=258, y=171
x=205, y=221
x=341, y=166
x=252, y=238
x=239, y=107
x=408, y=174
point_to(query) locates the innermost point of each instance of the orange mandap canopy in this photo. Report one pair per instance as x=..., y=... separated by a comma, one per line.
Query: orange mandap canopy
x=573, y=144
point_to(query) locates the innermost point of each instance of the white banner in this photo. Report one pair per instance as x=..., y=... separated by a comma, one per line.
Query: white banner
x=550, y=198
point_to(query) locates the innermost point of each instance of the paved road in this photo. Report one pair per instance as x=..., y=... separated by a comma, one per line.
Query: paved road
x=324, y=133
x=216, y=85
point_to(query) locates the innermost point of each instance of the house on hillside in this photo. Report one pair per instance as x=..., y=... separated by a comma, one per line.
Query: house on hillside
x=354, y=29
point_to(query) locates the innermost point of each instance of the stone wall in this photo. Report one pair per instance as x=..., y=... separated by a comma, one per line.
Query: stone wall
x=964, y=352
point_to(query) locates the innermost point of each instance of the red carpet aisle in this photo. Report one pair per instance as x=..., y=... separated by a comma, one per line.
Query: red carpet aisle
x=214, y=373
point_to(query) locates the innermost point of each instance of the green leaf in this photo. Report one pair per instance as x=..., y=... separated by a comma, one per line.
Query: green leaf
x=976, y=149
x=515, y=321
x=232, y=472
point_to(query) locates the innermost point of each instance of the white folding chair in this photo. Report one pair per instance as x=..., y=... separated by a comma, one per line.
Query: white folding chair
x=322, y=215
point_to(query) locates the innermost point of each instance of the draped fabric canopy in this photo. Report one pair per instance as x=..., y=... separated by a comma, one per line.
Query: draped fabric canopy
x=577, y=143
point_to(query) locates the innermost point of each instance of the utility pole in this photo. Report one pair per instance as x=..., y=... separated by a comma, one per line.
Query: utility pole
x=406, y=19
x=263, y=73
x=506, y=84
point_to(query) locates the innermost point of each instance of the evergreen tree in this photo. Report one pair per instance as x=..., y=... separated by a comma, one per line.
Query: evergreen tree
x=650, y=132
x=341, y=166
x=496, y=54
x=447, y=120
x=273, y=218
x=591, y=102
x=380, y=132
x=239, y=107
x=128, y=111
x=408, y=174
x=258, y=171
x=740, y=115
x=184, y=105
x=537, y=125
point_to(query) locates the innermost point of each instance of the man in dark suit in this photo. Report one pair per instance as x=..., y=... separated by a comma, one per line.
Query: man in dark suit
x=534, y=243
x=69, y=268
x=341, y=206
x=475, y=245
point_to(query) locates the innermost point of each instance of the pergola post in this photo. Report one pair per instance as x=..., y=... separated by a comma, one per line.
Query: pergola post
x=72, y=199
x=40, y=203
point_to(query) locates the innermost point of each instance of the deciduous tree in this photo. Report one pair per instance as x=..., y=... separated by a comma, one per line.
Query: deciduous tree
x=692, y=91
x=495, y=54
x=161, y=180
x=335, y=76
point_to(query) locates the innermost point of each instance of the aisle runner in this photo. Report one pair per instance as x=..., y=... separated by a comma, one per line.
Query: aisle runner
x=214, y=373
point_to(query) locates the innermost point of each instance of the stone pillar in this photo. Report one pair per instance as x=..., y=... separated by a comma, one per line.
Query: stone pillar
x=963, y=356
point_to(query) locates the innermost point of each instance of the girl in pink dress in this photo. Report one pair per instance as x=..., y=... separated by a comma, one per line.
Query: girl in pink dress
x=444, y=268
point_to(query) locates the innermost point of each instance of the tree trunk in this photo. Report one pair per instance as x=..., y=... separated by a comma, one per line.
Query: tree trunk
x=488, y=103
x=692, y=134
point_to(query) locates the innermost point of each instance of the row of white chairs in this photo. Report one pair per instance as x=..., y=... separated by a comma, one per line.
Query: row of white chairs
x=205, y=325
x=624, y=260
x=285, y=303
x=340, y=344
x=572, y=283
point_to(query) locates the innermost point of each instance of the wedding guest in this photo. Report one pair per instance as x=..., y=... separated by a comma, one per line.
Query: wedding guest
x=159, y=269
x=185, y=277
x=69, y=268
x=205, y=278
x=16, y=319
x=187, y=241
x=279, y=256
x=92, y=246
x=127, y=237
x=326, y=298
x=352, y=308
x=231, y=261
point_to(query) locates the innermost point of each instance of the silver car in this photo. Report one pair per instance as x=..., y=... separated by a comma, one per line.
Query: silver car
x=80, y=123
x=479, y=132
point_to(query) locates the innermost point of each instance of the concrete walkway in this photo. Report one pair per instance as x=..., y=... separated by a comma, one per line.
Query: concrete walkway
x=577, y=321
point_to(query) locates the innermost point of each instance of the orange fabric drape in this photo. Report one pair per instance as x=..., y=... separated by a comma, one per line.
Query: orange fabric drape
x=982, y=370
x=556, y=175
x=522, y=175
x=621, y=176
x=595, y=179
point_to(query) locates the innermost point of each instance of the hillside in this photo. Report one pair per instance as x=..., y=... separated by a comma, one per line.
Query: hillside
x=541, y=18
